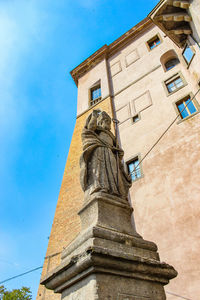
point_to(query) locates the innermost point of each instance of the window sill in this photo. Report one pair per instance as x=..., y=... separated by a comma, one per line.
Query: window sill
x=187, y=118
x=151, y=49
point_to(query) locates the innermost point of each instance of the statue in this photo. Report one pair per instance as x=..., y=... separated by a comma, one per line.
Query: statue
x=101, y=161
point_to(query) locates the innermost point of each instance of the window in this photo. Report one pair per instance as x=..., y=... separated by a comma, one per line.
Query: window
x=154, y=42
x=136, y=118
x=169, y=60
x=174, y=83
x=188, y=54
x=134, y=169
x=95, y=94
x=186, y=107
x=171, y=63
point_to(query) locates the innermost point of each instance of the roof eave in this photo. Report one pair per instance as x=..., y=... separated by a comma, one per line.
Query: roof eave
x=108, y=50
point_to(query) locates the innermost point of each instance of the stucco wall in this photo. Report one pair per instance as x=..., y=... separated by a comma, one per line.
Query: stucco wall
x=166, y=198
x=166, y=206
x=99, y=72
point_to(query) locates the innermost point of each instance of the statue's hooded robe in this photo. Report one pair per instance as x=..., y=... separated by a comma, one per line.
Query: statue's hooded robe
x=101, y=168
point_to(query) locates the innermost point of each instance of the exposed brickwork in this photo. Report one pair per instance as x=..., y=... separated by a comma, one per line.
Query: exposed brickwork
x=66, y=224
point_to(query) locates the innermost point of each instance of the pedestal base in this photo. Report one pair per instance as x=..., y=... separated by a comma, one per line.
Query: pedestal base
x=109, y=260
x=114, y=288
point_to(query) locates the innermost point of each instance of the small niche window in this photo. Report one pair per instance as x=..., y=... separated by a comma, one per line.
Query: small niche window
x=95, y=94
x=134, y=169
x=188, y=54
x=136, y=118
x=154, y=42
x=171, y=63
x=186, y=107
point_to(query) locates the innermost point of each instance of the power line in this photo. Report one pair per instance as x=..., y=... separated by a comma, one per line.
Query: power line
x=135, y=168
x=54, y=254
x=158, y=140
x=10, y=278
x=176, y=295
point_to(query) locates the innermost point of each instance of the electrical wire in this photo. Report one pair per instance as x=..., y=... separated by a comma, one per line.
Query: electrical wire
x=176, y=295
x=135, y=168
x=158, y=140
x=10, y=278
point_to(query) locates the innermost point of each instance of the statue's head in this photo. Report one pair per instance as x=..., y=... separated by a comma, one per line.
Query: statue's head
x=104, y=120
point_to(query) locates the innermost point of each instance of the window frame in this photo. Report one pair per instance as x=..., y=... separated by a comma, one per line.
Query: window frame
x=131, y=159
x=192, y=49
x=151, y=40
x=195, y=103
x=171, y=79
x=95, y=86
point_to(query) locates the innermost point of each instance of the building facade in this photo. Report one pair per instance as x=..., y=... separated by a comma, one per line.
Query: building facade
x=148, y=81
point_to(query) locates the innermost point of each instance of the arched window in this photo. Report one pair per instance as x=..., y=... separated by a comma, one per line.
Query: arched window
x=169, y=60
x=171, y=63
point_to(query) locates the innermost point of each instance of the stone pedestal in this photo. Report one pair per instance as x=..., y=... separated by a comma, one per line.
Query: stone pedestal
x=109, y=260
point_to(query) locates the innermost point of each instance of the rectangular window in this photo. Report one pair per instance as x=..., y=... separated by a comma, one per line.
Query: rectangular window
x=154, y=42
x=95, y=94
x=174, y=84
x=186, y=107
x=134, y=169
x=188, y=54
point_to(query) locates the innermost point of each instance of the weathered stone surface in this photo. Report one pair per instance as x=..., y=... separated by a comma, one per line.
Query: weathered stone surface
x=101, y=161
x=125, y=273
x=109, y=251
x=107, y=211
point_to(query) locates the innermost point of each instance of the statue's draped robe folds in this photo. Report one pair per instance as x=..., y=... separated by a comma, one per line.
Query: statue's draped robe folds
x=101, y=168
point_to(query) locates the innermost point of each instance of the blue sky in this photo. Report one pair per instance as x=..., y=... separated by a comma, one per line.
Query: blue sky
x=41, y=42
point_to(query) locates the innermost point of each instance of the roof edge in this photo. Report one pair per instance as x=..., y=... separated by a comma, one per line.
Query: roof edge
x=108, y=50
x=155, y=8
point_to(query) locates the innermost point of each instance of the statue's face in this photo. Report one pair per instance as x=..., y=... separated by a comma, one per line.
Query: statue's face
x=106, y=123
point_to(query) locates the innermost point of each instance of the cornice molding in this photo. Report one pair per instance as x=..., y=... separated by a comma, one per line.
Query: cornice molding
x=108, y=50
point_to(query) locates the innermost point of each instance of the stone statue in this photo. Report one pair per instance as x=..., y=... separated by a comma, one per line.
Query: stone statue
x=101, y=161
x=108, y=259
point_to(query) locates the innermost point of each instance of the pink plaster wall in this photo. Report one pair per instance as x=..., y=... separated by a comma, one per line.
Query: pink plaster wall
x=166, y=199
